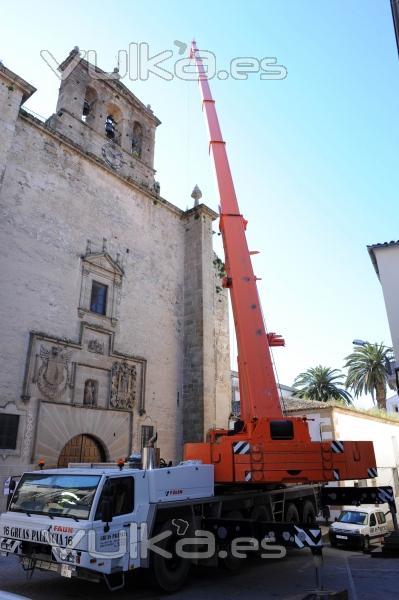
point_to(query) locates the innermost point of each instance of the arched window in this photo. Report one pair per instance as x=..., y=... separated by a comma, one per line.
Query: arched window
x=88, y=104
x=110, y=127
x=137, y=139
x=113, y=123
x=90, y=393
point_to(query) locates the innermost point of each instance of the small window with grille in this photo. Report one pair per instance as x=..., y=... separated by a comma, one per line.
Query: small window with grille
x=98, y=302
x=8, y=431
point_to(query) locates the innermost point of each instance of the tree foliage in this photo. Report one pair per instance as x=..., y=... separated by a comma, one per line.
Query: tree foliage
x=367, y=371
x=321, y=384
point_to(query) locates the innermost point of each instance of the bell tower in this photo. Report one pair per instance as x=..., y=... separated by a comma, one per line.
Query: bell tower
x=99, y=113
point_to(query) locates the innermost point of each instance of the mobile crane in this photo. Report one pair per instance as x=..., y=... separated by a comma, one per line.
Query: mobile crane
x=98, y=522
x=270, y=448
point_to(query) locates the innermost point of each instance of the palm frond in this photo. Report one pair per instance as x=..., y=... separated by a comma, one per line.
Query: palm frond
x=321, y=384
x=367, y=372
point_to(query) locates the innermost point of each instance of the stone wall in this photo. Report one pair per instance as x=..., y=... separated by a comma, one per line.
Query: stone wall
x=166, y=314
x=53, y=200
x=206, y=337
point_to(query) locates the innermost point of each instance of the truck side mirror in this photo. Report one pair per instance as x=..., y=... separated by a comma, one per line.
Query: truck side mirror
x=106, y=513
x=11, y=489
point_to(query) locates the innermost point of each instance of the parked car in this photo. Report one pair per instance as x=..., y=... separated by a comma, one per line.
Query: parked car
x=359, y=527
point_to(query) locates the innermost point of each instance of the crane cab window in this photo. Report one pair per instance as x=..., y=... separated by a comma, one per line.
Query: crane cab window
x=281, y=430
x=120, y=490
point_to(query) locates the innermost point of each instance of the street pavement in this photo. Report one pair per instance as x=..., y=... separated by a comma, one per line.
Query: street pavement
x=364, y=577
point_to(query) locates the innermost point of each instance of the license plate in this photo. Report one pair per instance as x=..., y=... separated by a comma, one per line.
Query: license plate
x=66, y=571
x=342, y=537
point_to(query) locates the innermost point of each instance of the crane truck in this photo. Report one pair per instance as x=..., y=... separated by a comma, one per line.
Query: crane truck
x=261, y=483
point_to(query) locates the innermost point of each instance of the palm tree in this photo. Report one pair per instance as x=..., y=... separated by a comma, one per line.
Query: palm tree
x=321, y=384
x=367, y=371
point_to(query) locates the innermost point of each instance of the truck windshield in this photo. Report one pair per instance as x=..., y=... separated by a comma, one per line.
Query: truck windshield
x=55, y=494
x=352, y=516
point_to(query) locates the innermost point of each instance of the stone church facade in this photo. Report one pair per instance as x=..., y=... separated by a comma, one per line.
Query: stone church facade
x=113, y=322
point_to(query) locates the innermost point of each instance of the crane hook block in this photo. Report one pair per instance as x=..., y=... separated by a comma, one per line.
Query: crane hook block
x=275, y=339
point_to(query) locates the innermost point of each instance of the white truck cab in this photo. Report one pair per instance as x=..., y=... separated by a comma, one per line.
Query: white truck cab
x=359, y=527
x=87, y=521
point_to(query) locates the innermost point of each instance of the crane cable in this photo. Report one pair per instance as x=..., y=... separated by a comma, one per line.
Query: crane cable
x=187, y=138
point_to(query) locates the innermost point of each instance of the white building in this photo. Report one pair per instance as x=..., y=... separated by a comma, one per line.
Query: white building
x=393, y=404
x=385, y=259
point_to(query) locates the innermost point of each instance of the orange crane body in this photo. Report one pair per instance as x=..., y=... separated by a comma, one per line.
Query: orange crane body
x=269, y=448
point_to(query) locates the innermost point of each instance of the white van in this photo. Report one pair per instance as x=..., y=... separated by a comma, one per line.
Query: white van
x=359, y=527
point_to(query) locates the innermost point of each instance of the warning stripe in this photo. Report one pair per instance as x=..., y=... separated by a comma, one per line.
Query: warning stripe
x=309, y=537
x=385, y=495
x=241, y=448
x=248, y=475
x=9, y=545
x=336, y=474
x=372, y=472
x=337, y=447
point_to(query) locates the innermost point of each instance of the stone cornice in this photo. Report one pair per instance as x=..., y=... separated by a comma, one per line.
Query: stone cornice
x=201, y=209
x=94, y=159
x=183, y=214
x=353, y=412
x=14, y=79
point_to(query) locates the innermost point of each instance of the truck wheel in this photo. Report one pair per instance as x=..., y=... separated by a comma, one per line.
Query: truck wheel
x=169, y=574
x=230, y=562
x=260, y=513
x=291, y=514
x=308, y=513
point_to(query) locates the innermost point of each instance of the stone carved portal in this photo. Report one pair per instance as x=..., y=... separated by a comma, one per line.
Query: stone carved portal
x=123, y=385
x=54, y=372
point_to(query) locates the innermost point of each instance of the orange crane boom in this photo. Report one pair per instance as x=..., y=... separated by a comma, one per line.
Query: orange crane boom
x=267, y=447
x=258, y=389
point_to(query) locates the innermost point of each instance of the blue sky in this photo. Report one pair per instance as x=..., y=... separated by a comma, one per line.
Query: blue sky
x=314, y=156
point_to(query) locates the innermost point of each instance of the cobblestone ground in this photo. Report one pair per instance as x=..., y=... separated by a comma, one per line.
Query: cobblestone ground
x=365, y=578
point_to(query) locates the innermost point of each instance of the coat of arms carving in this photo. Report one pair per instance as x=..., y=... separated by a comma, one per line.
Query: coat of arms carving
x=95, y=346
x=123, y=385
x=54, y=373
